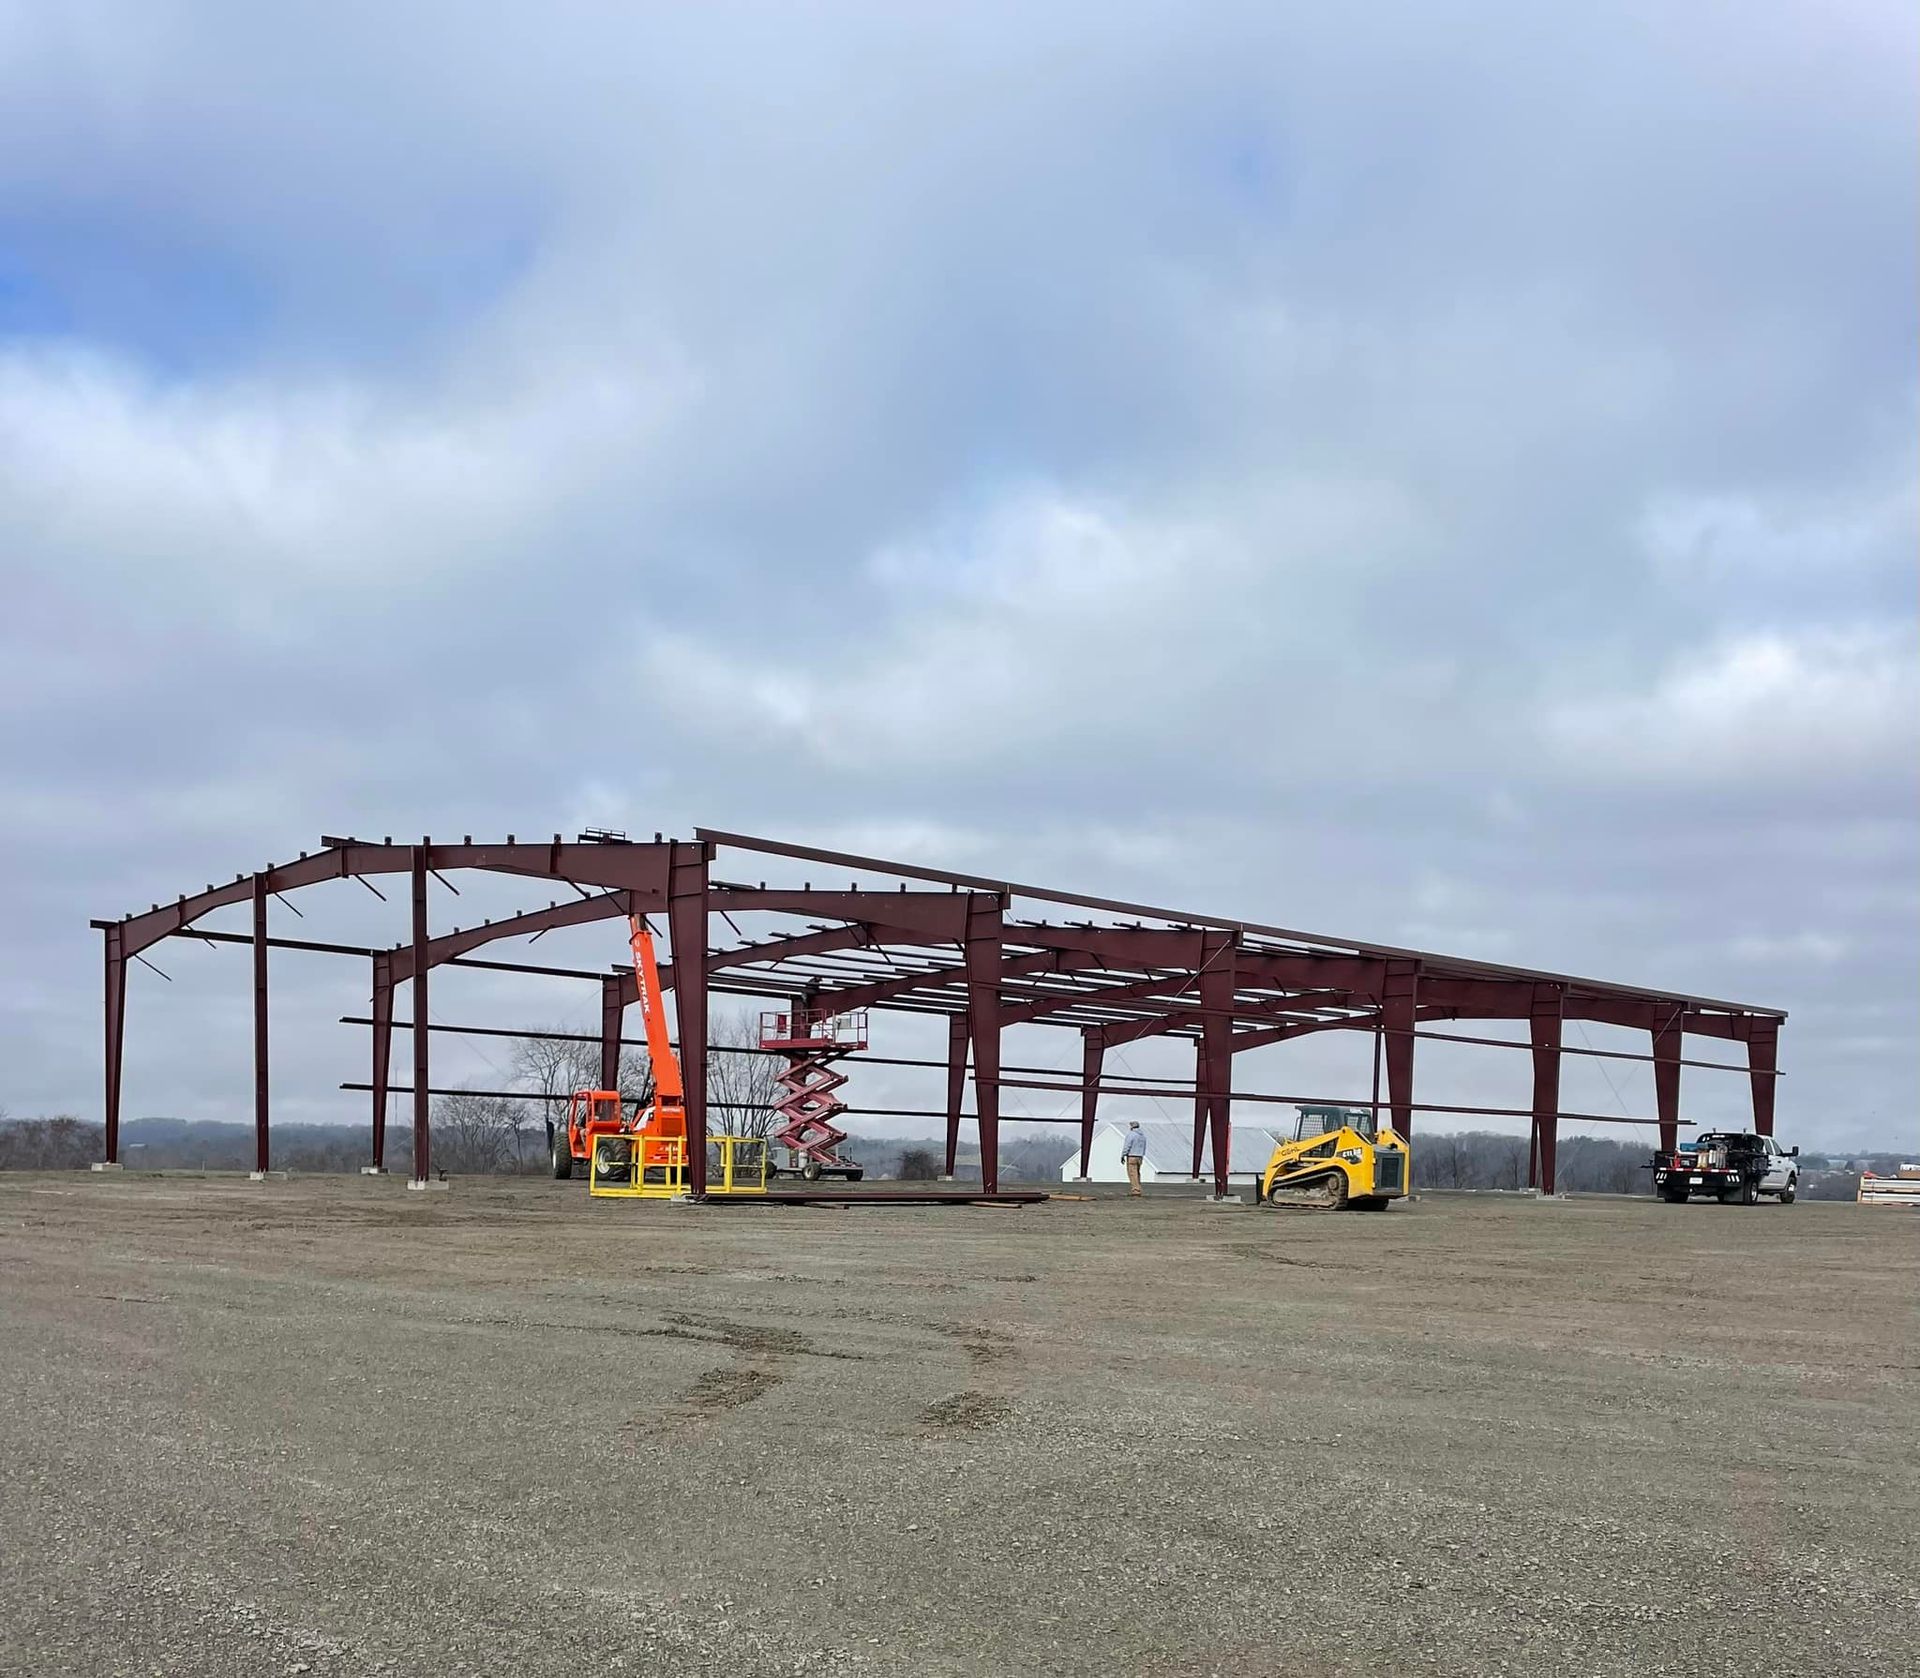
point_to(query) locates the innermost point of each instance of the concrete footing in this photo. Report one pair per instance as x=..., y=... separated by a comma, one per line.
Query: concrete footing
x=256, y=1176
x=373, y=1171
x=416, y=1183
x=104, y=1165
x=1223, y=1202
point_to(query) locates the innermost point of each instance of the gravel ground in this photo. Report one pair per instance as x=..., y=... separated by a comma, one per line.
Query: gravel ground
x=326, y=1426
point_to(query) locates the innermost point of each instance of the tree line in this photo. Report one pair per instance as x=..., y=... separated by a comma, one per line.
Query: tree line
x=475, y=1133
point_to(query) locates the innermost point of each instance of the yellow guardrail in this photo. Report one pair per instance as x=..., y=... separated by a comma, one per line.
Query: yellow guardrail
x=635, y=1166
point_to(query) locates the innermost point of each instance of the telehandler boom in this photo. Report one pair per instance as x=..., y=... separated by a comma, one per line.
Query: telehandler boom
x=658, y=1126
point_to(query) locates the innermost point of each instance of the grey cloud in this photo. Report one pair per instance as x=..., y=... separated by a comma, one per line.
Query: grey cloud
x=1401, y=471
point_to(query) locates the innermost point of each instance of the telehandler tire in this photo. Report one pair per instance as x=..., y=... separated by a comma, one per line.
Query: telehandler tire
x=562, y=1157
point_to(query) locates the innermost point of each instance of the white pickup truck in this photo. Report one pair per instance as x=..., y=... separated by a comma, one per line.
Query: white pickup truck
x=1732, y=1165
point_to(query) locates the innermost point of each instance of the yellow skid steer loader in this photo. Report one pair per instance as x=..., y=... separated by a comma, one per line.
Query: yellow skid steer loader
x=1337, y=1159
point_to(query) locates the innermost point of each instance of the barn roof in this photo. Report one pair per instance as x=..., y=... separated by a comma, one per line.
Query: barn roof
x=1170, y=1145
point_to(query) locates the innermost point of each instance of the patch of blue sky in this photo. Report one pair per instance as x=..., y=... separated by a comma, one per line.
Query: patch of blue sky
x=185, y=307
x=121, y=290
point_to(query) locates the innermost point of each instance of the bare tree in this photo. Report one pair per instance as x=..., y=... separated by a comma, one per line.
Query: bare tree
x=61, y=1143
x=919, y=1165
x=742, y=1082
x=562, y=1059
x=477, y=1133
x=1436, y=1161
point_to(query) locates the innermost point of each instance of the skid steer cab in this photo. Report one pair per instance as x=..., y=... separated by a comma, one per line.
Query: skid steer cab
x=1338, y=1160
x=591, y=1114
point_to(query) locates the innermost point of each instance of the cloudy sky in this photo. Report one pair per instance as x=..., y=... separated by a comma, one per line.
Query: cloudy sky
x=1437, y=473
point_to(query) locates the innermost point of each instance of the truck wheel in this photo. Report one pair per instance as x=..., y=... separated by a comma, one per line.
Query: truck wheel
x=1749, y=1194
x=1787, y=1194
x=811, y=1171
x=855, y=1176
x=562, y=1157
x=1675, y=1197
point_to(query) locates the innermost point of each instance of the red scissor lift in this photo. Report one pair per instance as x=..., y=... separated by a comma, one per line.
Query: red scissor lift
x=807, y=1106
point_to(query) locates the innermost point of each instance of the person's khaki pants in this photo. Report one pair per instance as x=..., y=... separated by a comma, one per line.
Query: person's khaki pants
x=1133, y=1174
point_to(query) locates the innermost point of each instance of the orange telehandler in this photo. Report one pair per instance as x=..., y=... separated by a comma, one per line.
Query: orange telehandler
x=656, y=1134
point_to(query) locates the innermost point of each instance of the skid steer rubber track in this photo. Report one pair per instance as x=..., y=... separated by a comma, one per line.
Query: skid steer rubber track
x=1327, y=1193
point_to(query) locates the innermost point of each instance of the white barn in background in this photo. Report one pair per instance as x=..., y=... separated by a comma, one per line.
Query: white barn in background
x=1170, y=1153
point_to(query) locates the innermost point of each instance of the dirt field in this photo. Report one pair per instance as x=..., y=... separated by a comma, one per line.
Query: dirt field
x=330, y=1427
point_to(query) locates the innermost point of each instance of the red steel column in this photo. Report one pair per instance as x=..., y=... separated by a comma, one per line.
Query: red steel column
x=958, y=1027
x=687, y=927
x=1399, y=997
x=113, y=941
x=1093, y=1055
x=1666, y=1076
x=422, y=1102
x=983, y=1011
x=260, y=1082
x=612, y=1017
x=1545, y=1033
x=1763, y=1061
x=1218, y=982
x=1379, y=1041
x=1202, y=1068
x=382, y=1053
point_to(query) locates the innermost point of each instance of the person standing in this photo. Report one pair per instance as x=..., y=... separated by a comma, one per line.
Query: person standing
x=1133, y=1151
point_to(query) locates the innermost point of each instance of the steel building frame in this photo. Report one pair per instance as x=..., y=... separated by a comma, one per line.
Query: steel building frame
x=936, y=942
